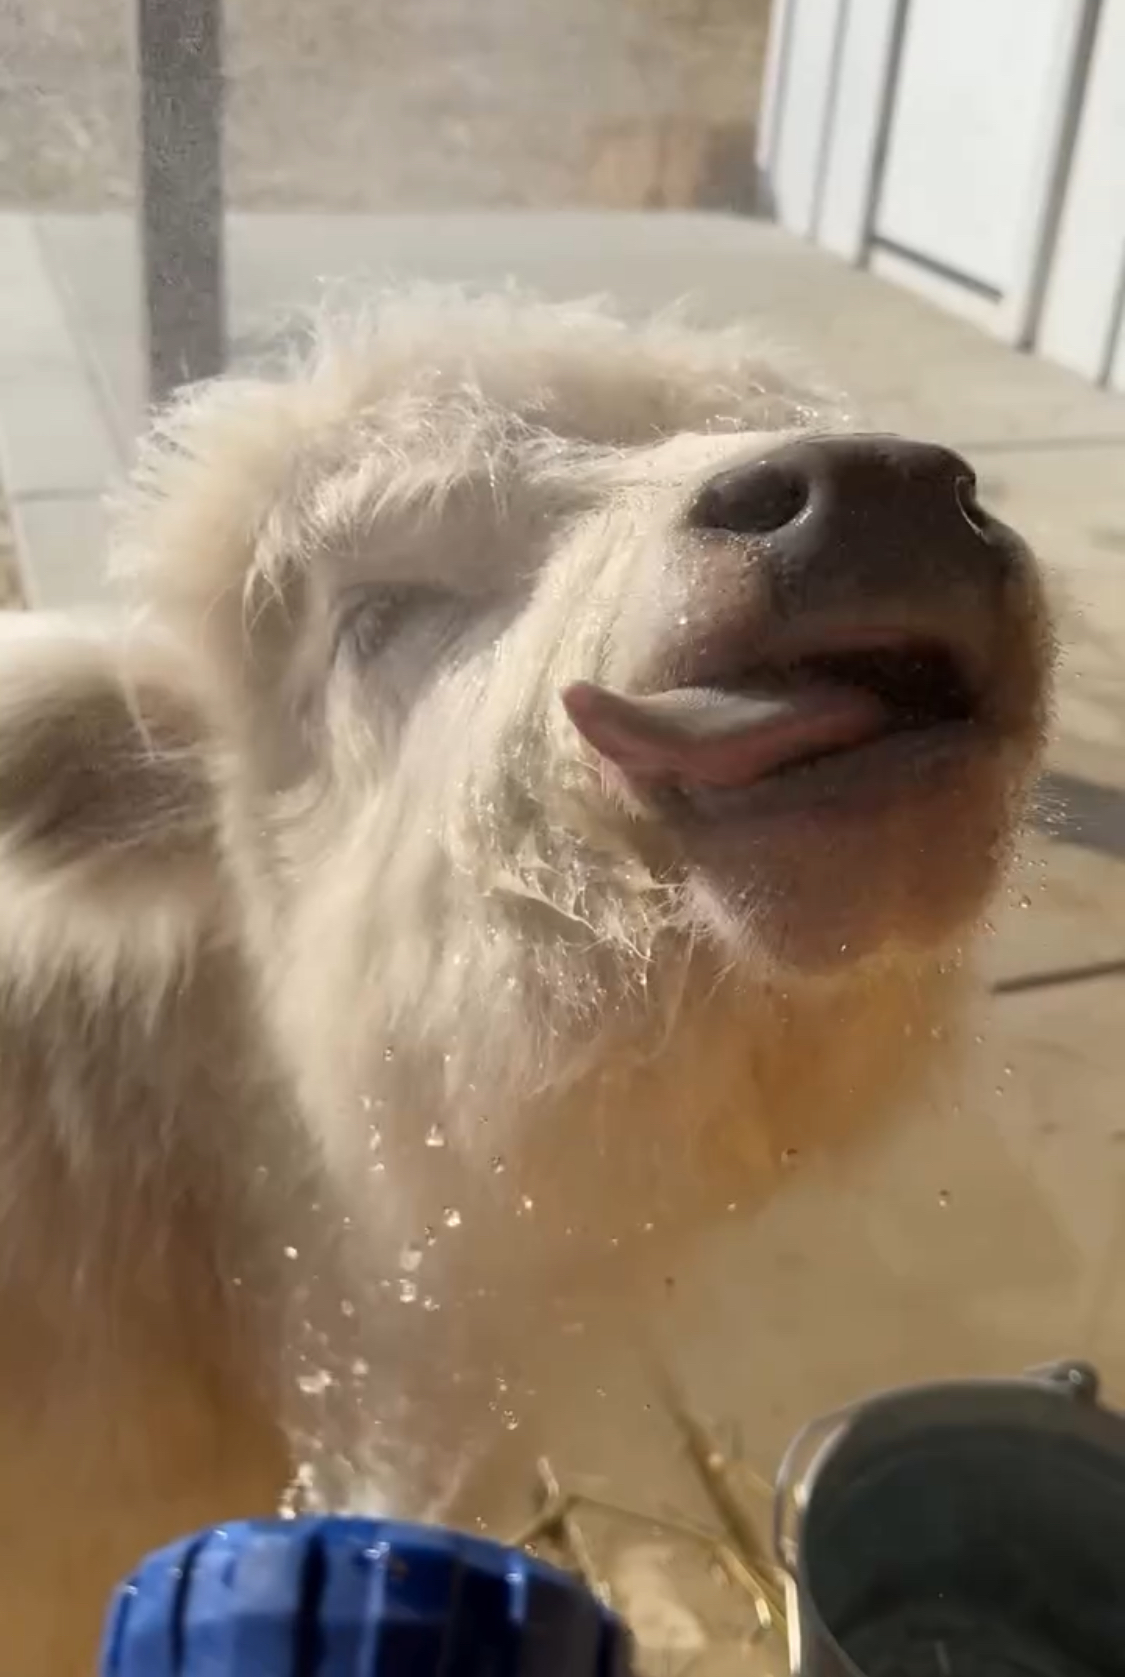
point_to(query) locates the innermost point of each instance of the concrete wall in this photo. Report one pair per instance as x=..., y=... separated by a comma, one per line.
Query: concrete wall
x=408, y=104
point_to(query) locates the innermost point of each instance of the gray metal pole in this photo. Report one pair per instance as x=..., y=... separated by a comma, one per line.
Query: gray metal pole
x=181, y=182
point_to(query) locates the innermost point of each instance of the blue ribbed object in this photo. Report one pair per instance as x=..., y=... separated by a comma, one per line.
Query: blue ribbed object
x=355, y=1598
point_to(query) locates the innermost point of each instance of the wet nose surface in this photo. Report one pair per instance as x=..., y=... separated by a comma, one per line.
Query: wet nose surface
x=834, y=477
x=884, y=513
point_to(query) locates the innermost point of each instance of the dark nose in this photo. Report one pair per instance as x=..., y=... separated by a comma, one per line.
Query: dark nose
x=868, y=514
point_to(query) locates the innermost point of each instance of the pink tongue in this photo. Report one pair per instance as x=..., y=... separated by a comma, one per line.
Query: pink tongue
x=708, y=737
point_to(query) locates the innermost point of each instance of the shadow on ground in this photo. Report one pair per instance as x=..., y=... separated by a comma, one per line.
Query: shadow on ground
x=1083, y=812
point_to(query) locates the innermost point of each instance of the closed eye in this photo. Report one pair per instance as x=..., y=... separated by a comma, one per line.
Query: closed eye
x=370, y=618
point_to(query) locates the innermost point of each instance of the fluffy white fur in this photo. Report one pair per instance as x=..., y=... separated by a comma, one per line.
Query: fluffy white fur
x=353, y=1029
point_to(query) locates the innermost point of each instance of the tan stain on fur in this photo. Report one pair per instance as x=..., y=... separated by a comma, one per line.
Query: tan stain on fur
x=320, y=940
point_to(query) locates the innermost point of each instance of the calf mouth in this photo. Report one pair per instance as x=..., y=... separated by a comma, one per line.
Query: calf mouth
x=838, y=718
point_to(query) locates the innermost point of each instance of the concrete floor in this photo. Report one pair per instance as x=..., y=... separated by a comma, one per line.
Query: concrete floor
x=989, y=1232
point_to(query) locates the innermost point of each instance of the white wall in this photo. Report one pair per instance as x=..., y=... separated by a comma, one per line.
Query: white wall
x=972, y=149
x=978, y=84
x=798, y=112
x=860, y=115
x=1080, y=319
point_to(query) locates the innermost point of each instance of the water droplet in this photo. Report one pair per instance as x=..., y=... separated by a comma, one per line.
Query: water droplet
x=944, y=1197
x=501, y=1384
x=347, y=1308
x=648, y=1227
x=451, y=1217
x=236, y=1280
x=1025, y=902
x=407, y=1290
x=429, y=1236
x=497, y=1165
x=733, y=1206
x=315, y=1384
x=377, y=1169
x=599, y=1391
x=979, y=1040
x=388, y=1055
x=374, y=1141
x=1009, y=1071
x=365, y=1102
x=843, y=949
x=291, y=1253
x=789, y=1158
x=430, y=1303
x=526, y=1203
x=361, y=1368
x=410, y=1257
x=435, y=1136
x=510, y=1420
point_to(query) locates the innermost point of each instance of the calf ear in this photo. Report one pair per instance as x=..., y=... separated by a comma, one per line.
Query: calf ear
x=104, y=778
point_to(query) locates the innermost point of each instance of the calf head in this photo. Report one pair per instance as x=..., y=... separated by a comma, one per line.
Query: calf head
x=568, y=668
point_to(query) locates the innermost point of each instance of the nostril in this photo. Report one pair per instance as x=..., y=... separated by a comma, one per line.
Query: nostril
x=965, y=490
x=751, y=500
